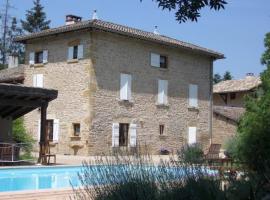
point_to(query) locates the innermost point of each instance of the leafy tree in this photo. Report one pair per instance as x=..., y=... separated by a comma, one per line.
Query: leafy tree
x=217, y=78
x=227, y=76
x=190, y=9
x=35, y=19
x=253, y=137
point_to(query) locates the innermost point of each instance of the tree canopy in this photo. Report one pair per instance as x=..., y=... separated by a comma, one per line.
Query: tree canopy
x=226, y=76
x=186, y=10
x=35, y=19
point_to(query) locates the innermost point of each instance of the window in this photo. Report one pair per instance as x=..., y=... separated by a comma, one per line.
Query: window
x=125, y=87
x=192, y=135
x=38, y=80
x=193, y=96
x=158, y=60
x=38, y=57
x=161, y=129
x=75, y=52
x=49, y=129
x=233, y=96
x=76, y=129
x=162, y=92
x=123, y=134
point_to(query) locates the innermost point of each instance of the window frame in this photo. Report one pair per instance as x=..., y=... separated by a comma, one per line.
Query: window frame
x=76, y=125
x=50, y=134
x=38, y=59
x=123, y=134
x=161, y=129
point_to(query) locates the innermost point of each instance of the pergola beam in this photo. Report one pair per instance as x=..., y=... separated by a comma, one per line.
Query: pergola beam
x=19, y=102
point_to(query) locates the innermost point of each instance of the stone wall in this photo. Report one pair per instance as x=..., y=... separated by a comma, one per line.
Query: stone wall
x=223, y=129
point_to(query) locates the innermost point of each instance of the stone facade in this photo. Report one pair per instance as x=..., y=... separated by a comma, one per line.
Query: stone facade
x=89, y=92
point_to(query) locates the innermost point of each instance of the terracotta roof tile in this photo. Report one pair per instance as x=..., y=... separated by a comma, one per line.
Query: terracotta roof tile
x=233, y=113
x=124, y=30
x=10, y=75
x=246, y=84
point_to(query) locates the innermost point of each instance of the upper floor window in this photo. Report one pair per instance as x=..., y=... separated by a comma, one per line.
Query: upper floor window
x=38, y=57
x=75, y=52
x=158, y=60
x=161, y=129
x=233, y=96
x=125, y=87
x=162, y=92
x=193, y=95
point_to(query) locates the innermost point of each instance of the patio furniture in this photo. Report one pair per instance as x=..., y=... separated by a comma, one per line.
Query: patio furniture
x=47, y=156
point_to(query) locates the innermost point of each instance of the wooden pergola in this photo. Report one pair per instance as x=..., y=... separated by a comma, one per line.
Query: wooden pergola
x=18, y=100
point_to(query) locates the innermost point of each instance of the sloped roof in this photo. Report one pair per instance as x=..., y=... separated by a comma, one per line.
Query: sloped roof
x=241, y=85
x=233, y=113
x=12, y=75
x=124, y=30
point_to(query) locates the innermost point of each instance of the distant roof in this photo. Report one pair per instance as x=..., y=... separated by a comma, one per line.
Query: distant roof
x=241, y=85
x=233, y=113
x=124, y=30
x=12, y=75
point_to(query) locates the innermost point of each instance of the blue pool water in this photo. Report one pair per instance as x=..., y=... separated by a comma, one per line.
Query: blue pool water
x=17, y=179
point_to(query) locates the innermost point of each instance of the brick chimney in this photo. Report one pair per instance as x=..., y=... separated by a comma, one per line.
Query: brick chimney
x=72, y=19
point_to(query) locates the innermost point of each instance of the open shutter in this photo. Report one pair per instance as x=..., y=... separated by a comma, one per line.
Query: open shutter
x=31, y=58
x=45, y=56
x=38, y=130
x=39, y=80
x=125, y=87
x=193, y=95
x=34, y=80
x=80, y=51
x=155, y=60
x=115, y=135
x=133, y=135
x=70, y=53
x=162, y=91
x=192, y=135
x=55, y=130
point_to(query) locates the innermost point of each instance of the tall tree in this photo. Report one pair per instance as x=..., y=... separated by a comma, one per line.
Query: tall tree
x=217, y=78
x=35, y=19
x=190, y=9
x=227, y=76
x=253, y=136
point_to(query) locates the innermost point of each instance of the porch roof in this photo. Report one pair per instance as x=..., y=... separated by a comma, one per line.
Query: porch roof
x=18, y=100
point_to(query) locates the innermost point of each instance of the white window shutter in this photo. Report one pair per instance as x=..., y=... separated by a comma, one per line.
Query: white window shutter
x=45, y=56
x=125, y=87
x=70, y=53
x=39, y=130
x=39, y=80
x=115, y=135
x=192, y=135
x=31, y=58
x=133, y=135
x=193, y=95
x=55, y=130
x=34, y=80
x=155, y=60
x=162, y=91
x=80, y=51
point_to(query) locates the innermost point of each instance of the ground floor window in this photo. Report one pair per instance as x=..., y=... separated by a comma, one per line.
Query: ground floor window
x=161, y=129
x=123, y=134
x=49, y=129
x=76, y=129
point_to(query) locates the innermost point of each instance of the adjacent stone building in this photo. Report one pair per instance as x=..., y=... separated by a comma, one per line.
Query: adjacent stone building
x=119, y=87
x=228, y=100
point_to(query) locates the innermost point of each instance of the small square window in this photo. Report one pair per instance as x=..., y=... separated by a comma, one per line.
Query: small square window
x=76, y=129
x=75, y=52
x=232, y=96
x=161, y=129
x=163, y=62
x=39, y=57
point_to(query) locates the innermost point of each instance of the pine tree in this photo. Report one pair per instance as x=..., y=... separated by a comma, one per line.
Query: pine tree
x=217, y=78
x=35, y=19
x=227, y=76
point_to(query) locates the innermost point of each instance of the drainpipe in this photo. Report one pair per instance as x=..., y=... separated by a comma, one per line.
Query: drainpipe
x=210, y=120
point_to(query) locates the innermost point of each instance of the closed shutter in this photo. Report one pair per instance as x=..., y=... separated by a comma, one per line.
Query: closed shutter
x=45, y=56
x=39, y=80
x=70, y=53
x=193, y=95
x=38, y=130
x=80, y=51
x=192, y=135
x=125, y=87
x=162, y=91
x=155, y=60
x=133, y=135
x=55, y=130
x=115, y=135
x=31, y=58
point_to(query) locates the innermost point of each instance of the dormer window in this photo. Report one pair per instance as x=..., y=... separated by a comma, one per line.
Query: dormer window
x=159, y=61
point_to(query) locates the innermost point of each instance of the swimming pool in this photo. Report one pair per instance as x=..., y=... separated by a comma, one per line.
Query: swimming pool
x=36, y=178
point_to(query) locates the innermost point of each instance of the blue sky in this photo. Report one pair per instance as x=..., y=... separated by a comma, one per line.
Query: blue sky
x=238, y=31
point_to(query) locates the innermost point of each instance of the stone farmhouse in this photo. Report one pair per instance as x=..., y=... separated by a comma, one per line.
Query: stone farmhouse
x=119, y=88
x=228, y=100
